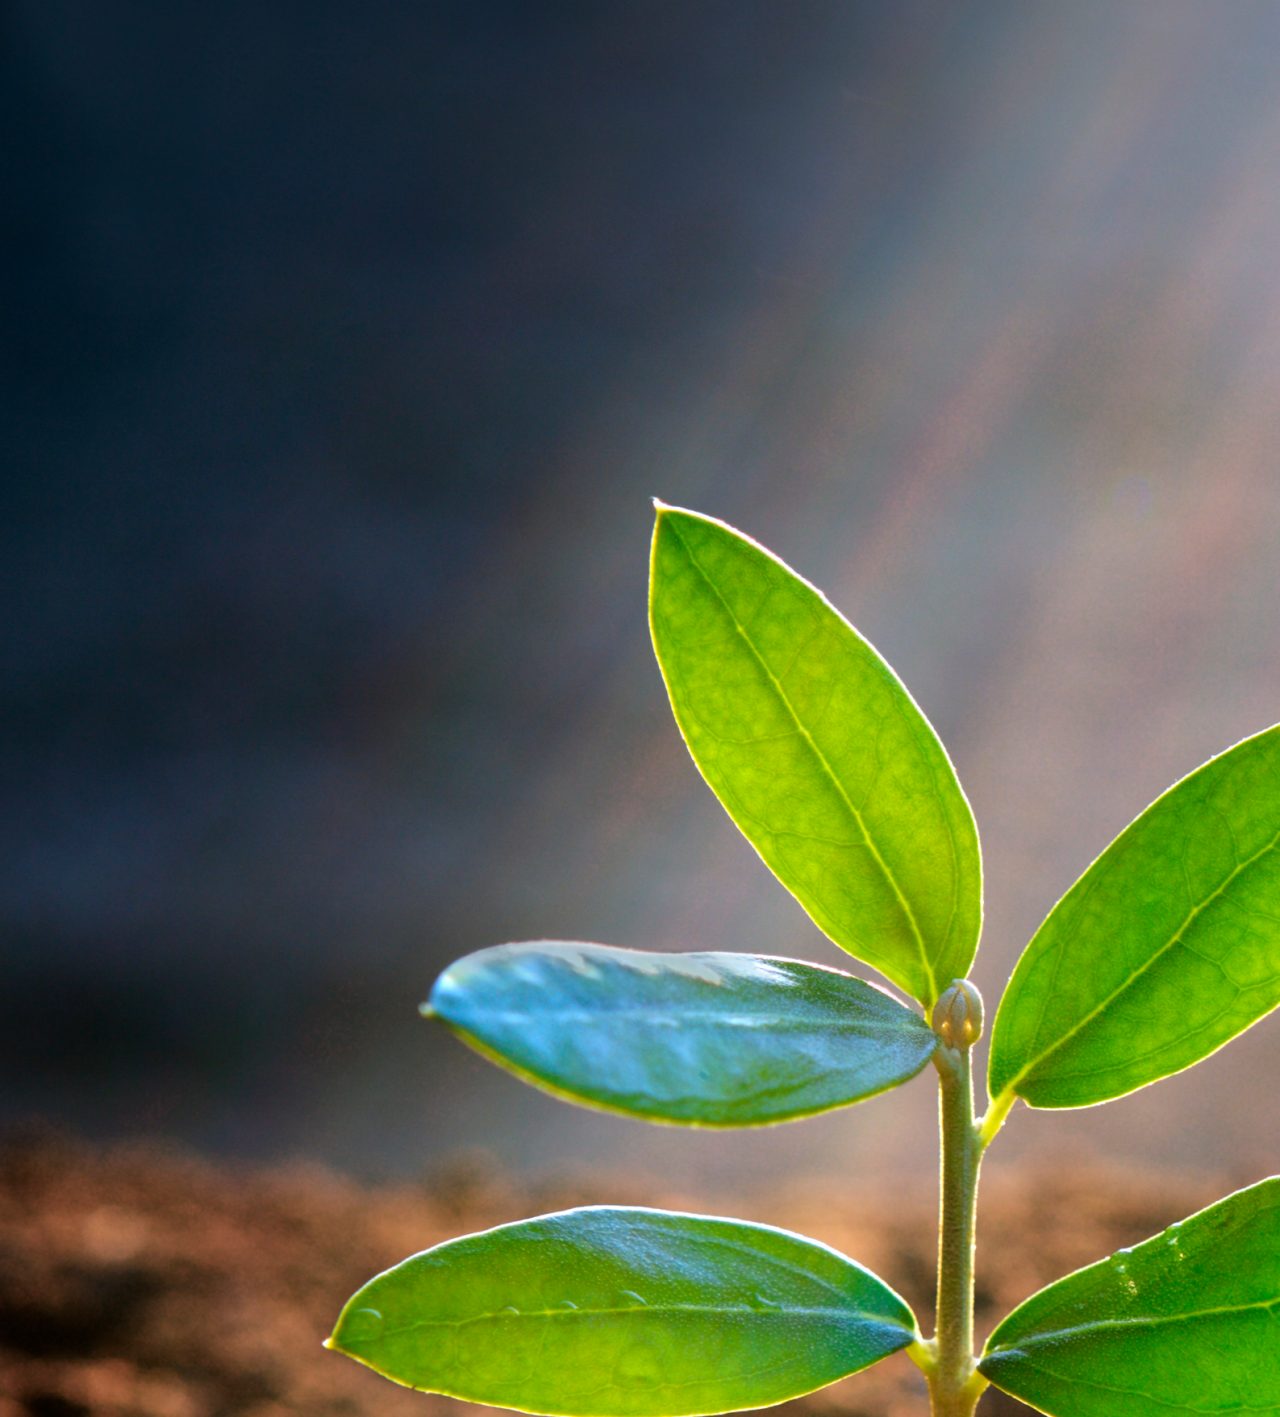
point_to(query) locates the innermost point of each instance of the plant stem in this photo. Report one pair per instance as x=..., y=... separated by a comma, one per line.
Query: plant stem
x=954, y=1381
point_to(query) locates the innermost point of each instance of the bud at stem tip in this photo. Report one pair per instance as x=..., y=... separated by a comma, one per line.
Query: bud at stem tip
x=957, y=1016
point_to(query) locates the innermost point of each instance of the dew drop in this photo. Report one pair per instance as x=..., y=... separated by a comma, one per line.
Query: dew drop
x=631, y=1294
x=509, y=1309
x=362, y=1326
x=567, y=1304
x=762, y=1301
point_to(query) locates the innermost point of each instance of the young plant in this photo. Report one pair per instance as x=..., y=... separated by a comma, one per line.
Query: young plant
x=1166, y=947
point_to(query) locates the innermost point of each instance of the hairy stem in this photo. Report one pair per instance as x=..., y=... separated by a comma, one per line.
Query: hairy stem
x=954, y=1382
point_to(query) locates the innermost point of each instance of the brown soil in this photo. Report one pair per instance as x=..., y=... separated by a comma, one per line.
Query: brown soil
x=143, y=1282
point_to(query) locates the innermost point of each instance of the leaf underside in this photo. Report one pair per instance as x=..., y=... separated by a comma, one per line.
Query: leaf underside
x=1167, y=947
x=817, y=752
x=624, y=1312
x=718, y=1040
x=1186, y=1322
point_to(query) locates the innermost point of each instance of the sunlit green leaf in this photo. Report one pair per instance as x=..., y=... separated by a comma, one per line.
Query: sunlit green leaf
x=723, y=1040
x=1188, y=1322
x=1166, y=947
x=817, y=752
x=621, y=1312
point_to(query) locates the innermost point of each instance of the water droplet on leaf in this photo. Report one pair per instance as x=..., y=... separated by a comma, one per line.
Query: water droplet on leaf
x=361, y=1326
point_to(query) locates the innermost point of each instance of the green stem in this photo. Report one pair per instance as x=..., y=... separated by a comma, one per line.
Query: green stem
x=954, y=1382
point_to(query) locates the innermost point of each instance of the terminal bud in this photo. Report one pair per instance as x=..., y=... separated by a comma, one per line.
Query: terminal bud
x=957, y=1016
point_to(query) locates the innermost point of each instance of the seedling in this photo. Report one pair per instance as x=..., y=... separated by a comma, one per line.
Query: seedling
x=1167, y=947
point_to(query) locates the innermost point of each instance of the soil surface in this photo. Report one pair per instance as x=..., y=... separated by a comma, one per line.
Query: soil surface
x=145, y=1282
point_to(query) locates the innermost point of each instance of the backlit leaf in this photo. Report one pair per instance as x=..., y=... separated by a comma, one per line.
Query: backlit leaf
x=622, y=1312
x=1166, y=947
x=723, y=1040
x=817, y=752
x=1188, y=1322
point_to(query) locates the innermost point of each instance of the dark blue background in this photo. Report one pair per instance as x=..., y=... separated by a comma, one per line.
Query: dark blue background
x=343, y=348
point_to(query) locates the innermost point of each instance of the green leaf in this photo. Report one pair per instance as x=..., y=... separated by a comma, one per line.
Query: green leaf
x=1186, y=1322
x=1166, y=948
x=620, y=1312
x=817, y=752
x=719, y=1040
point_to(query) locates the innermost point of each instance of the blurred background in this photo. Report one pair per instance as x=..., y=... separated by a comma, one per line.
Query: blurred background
x=344, y=348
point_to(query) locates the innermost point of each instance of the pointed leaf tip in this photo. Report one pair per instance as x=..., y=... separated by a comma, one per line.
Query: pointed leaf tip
x=817, y=752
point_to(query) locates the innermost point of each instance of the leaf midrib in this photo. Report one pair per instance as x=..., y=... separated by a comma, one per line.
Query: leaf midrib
x=888, y=875
x=1176, y=938
x=822, y=1024
x=781, y=1311
x=1008, y=1347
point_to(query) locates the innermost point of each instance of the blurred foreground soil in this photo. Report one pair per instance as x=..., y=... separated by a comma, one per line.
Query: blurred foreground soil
x=145, y=1282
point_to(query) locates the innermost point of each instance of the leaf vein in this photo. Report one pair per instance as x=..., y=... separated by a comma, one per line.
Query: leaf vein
x=1145, y=1321
x=824, y=763
x=1175, y=939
